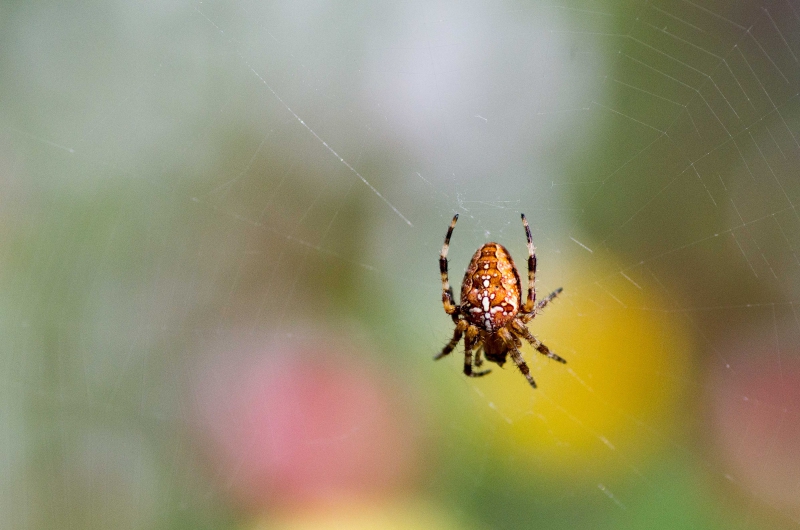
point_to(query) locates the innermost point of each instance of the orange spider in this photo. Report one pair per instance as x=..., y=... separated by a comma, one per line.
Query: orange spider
x=490, y=314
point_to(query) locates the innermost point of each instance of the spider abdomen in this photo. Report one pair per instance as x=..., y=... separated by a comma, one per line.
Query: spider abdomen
x=490, y=294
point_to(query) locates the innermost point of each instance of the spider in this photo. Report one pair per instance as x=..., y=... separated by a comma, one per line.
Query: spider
x=490, y=314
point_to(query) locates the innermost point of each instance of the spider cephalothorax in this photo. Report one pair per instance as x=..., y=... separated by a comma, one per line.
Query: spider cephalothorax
x=490, y=314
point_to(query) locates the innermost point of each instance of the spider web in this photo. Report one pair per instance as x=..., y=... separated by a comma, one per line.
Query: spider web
x=185, y=174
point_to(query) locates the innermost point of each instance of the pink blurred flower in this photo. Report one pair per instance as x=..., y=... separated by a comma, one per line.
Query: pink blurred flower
x=756, y=413
x=302, y=422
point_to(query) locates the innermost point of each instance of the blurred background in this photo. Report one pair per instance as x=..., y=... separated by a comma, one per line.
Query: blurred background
x=219, y=228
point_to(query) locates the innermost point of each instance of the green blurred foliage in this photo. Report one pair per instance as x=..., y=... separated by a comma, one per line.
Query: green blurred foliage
x=157, y=195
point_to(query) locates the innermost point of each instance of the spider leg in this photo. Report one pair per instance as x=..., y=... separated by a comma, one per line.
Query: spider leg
x=530, y=303
x=520, y=328
x=478, y=355
x=479, y=361
x=517, y=355
x=447, y=292
x=550, y=297
x=460, y=328
x=527, y=317
x=469, y=342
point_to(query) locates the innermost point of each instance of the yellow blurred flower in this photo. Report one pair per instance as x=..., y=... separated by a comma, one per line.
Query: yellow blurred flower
x=408, y=515
x=615, y=401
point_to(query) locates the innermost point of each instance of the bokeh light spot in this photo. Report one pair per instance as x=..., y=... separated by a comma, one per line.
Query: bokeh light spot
x=627, y=366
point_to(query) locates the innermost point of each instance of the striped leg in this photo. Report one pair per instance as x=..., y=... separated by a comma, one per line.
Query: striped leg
x=531, y=302
x=447, y=292
x=516, y=355
x=550, y=297
x=478, y=356
x=536, y=343
x=527, y=317
x=469, y=343
x=460, y=328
